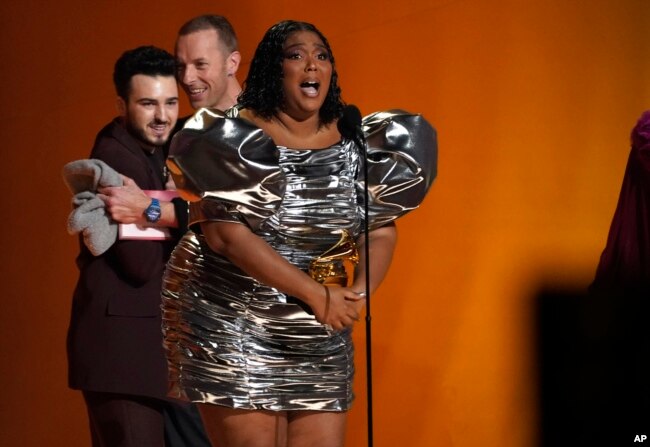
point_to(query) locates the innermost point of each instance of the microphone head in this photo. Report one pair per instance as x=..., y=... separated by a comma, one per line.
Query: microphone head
x=350, y=121
x=352, y=115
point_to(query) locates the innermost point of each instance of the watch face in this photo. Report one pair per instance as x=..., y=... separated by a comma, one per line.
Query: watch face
x=152, y=213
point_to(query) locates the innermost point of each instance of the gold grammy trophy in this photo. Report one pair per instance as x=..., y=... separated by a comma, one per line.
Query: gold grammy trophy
x=331, y=267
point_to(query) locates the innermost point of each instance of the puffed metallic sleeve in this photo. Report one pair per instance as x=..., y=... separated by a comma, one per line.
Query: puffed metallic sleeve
x=402, y=163
x=227, y=167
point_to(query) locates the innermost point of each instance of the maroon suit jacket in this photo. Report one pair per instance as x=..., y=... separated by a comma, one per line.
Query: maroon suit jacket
x=114, y=338
x=625, y=261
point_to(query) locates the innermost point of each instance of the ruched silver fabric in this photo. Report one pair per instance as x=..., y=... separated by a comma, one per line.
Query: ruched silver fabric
x=233, y=341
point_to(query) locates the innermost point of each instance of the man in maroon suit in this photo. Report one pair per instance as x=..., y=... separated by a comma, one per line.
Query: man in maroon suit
x=115, y=349
x=207, y=60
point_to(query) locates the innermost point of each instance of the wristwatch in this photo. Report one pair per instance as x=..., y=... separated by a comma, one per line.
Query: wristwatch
x=152, y=213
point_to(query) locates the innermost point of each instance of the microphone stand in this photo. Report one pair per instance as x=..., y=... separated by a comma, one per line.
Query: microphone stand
x=349, y=126
x=363, y=145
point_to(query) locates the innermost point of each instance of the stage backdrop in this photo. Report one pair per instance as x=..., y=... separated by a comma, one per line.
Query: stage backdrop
x=533, y=102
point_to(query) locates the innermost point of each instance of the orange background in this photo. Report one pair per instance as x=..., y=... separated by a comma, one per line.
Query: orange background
x=533, y=102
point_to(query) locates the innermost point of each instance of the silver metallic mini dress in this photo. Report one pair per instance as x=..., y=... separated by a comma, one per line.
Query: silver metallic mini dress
x=231, y=340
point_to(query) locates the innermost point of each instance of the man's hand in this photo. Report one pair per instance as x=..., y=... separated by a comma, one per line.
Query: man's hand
x=125, y=204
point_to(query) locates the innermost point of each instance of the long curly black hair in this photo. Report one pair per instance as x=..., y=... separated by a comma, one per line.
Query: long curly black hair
x=263, y=91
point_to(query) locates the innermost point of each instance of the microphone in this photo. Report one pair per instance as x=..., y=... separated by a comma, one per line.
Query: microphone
x=349, y=125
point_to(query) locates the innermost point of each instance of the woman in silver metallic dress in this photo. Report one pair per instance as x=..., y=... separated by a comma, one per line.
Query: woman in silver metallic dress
x=258, y=310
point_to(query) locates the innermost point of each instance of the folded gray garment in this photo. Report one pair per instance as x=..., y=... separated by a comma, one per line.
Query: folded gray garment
x=83, y=178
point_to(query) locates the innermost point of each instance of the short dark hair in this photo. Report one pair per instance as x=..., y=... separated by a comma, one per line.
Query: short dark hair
x=146, y=60
x=220, y=24
x=263, y=90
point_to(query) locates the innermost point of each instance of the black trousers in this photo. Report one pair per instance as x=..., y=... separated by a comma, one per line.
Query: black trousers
x=123, y=420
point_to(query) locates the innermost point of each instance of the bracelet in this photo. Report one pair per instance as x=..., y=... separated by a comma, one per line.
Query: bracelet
x=327, y=301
